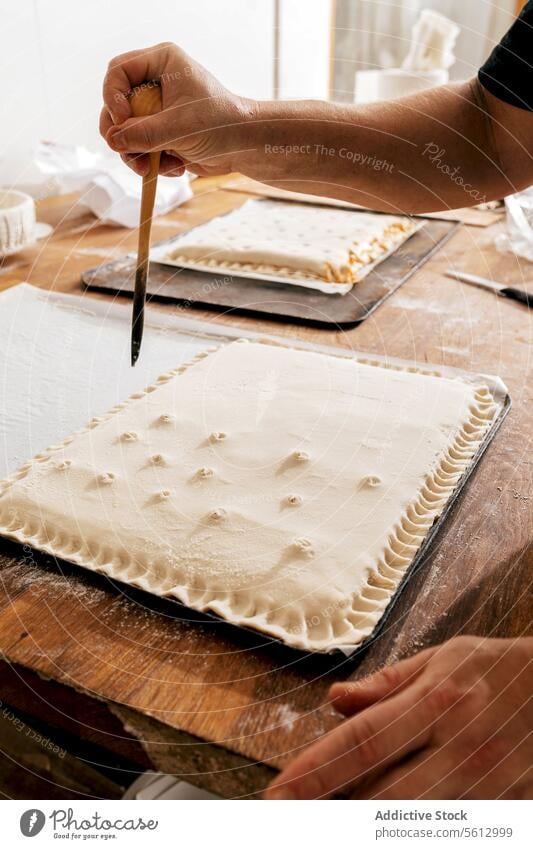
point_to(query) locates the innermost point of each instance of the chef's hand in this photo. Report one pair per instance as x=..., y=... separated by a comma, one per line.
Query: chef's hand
x=453, y=722
x=198, y=126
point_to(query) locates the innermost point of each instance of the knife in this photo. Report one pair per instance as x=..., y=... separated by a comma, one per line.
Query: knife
x=498, y=288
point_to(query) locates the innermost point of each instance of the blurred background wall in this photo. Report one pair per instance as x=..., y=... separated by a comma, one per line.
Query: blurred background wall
x=53, y=53
x=376, y=33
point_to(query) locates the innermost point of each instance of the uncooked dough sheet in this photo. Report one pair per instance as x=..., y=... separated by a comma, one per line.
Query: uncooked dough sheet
x=312, y=246
x=284, y=490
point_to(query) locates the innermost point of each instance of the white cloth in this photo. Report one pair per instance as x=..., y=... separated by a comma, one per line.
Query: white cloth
x=110, y=190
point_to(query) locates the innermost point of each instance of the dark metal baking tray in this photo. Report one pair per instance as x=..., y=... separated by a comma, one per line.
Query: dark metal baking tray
x=278, y=301
x=256, y=640
x=503, y=402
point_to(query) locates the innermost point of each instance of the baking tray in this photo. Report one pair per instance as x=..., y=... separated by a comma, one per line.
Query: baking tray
x=278, y=301
x=503, y=402
x=202, y=332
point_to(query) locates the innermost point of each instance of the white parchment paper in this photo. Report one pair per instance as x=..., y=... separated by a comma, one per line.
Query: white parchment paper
x=65, y=359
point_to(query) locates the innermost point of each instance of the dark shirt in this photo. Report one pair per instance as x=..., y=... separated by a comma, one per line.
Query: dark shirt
x=508, y=72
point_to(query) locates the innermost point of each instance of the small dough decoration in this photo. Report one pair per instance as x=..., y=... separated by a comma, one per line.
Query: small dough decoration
x=218, y=436
x=370, y=481
x=294, y=500
x=106, y=478
x=204, y=472
x=129, y=436
x=218, y=514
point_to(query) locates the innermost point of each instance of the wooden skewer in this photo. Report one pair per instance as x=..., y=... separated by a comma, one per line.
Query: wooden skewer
x=145, y=100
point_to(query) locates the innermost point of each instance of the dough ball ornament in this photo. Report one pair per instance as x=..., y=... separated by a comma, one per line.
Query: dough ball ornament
x=106, y=478
x=129, y=436
x=204, y=473
x=218, y=436
x=303, y=547
x=369, y=482
x=218, y=515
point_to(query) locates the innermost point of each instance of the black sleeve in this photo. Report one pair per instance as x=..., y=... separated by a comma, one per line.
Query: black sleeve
x=508, y=72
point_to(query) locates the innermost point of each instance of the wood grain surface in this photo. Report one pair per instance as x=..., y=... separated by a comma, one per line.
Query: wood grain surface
x=147, y=684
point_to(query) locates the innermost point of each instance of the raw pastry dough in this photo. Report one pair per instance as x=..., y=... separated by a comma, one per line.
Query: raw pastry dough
x=293, y=240
x=285, y=490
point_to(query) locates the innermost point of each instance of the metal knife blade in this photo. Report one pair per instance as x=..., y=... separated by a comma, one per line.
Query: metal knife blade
x=504, y=291
x=475, y=280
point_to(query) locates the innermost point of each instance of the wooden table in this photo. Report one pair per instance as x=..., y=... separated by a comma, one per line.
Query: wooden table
x=121, y=681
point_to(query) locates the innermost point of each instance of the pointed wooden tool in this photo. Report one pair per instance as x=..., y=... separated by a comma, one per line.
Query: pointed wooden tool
x=145, y=100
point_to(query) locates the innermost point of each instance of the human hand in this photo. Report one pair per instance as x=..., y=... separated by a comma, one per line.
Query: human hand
x=198, y=126
x=453, y=722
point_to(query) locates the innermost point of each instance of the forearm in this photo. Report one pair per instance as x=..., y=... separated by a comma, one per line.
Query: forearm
x=431, y=151
x=442, y=148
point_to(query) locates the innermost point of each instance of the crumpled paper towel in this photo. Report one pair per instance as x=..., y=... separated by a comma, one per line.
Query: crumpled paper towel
x=109, y=189
x=432, y=41
x=519, y=236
